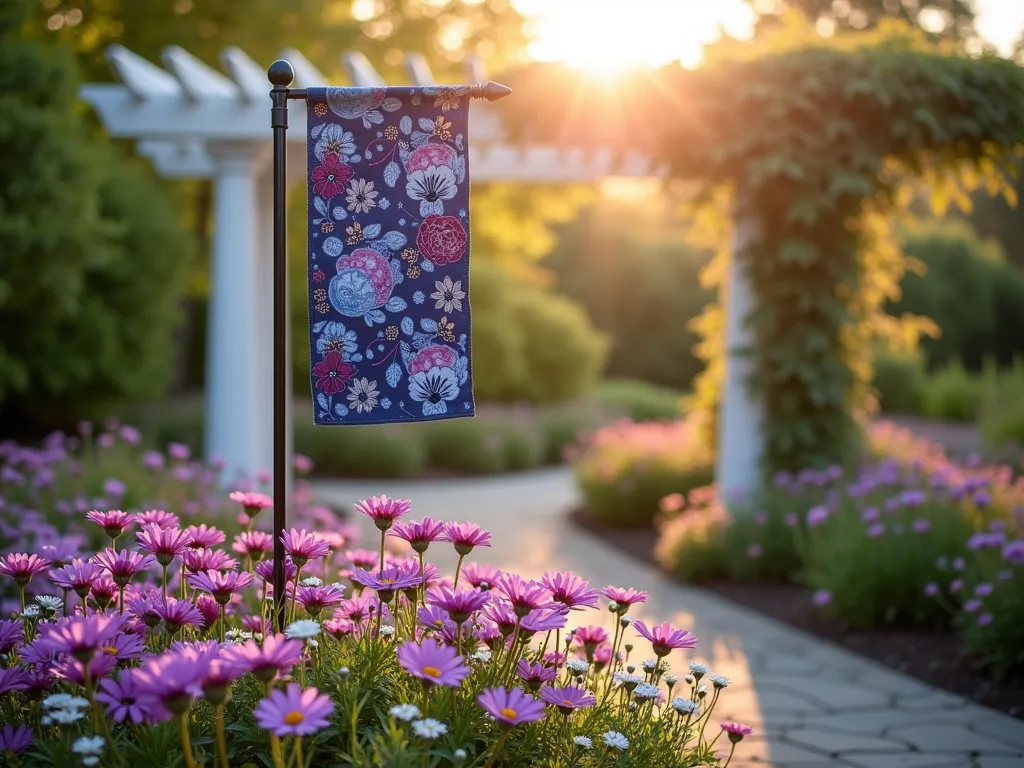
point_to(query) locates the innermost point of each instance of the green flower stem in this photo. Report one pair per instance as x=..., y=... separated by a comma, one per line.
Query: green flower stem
x=222, y=745
x=223, y=620
x=497, y=748
x=295, y=592
x=184, y=586
x=458, y=570
x=186, y=742
x=731, y=751
x=297, y=752
x=275, y=752
x=163, y=581
x=380, y=561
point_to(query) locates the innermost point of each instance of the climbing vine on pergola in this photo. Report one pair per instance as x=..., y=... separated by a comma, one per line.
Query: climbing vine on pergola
x=818, y=144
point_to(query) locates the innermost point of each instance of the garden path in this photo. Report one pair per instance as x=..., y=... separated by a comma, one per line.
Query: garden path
x=811, y=704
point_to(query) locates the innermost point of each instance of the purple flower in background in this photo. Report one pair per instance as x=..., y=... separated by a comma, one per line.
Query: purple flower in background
x=433, y=663
x=522, y=594
x=15, y=738
x=222, y=585
x=956, y=585
x=664, y=639
x=163, y=543
x=13, y=679
x=383, y=511
x=265, y=570
x=303, y=547
x=568, y=699
x=510, y=707
x=973, y=605
x=624, y=597
x=982, y=498
x=876, y=530
x=204, y=536
x=959, y=564
x=167, y=684
x=791, y=520
x=178, y=451
x=302, y=464
x=931, y=589
x=921, y=526
x=817, y=516
x=984, y=619
x=22, y=567
x=254, y=544
x=78, y=576
x=294, y=711
x=821, y=597
x=121, y=697
x=1014, y=552
x=386, y=582
x=754, y=551
x=177, y=614
x=158, y=517
x=419, y=535
x=478, y=574
x=466, y=536
x=460, y=604
x=535, y=675
x=197, y=560
x=12, y=634
x=736, y=731
x=123, y=565
x=983, y=590
x=544, y=620
x=570, y=590
x=153, y=460
x=114, y=488
x=315, y=598
x=277, y=655
x=79, y=636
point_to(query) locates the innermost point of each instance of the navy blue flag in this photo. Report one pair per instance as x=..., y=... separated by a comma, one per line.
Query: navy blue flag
x=389, y=254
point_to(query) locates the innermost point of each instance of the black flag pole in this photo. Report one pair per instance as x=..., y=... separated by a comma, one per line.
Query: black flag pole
x=281, y=74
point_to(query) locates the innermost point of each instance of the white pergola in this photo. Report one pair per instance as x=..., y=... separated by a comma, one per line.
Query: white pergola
x=193, y=121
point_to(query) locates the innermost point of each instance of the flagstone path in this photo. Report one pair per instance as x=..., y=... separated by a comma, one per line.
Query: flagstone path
x=811, y=704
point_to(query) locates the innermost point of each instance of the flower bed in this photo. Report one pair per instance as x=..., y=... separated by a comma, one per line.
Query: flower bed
x=153, y=645
x=909, y=540
x=626, y=468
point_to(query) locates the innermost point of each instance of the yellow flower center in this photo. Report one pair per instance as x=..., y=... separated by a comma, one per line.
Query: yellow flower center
x=387, y=581
x=431, y=671
x=567, y=702
x=110, y=649
x=294, y=718
x=510, y=713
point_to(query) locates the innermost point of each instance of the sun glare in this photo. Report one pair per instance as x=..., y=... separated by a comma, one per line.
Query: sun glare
x=609, y=36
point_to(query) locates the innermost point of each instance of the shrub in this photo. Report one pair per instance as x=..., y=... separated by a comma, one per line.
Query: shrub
x=691, y=538
x=1001, y=409
x=625, y=469
x=951, y=394
x=899, y=379
x=530, y=345
x=370, y=451
x=474, y=446
x=93, y=255
x=639, y=400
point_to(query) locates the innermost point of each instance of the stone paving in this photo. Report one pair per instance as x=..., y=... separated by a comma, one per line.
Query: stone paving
x=812, y=704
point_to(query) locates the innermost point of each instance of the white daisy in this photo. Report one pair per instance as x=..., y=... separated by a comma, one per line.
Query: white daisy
x=577, y=666
x=449, y=295
x=363, y=395
x=64, y=716
x=360, y=196
x=312, y=581
x=646, y=691
x=582, y=741
x=684, y=706
x=482, y=655
x=303, y=629
x=88, y=745
x=64, y=701
x=616, y=740
x=719, y=681
x=387, y=631
x=405, y=712
x=429, y=728
x=50, y=602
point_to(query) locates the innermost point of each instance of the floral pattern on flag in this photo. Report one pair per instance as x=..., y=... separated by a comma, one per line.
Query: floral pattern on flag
x=388, y=263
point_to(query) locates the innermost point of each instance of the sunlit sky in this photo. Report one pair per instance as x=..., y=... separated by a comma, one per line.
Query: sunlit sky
x=612, y=34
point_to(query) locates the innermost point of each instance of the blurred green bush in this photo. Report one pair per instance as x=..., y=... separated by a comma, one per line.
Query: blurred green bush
x=94, y=255
x=639, y=400
x=899, y=380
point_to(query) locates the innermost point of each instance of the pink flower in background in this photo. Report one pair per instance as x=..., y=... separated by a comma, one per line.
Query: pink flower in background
x=478, y=574
x=276, y=656
x=460, y=604
x=570, y=590
x=672, y=503
x=420, y=535
x=197, y=560
x=822, y=597
x=178, y=614
x=302, y=546
x=466, y=536
x=22, y=567
x=314, y=599
x=736, y=731
x=158, y=517
x=522, y=594
x=79, y=636
x=123, y=565
x=252, y=502
x=204, y=536
x=221, y=585
x=663, y=638
x=164, y=544
x=624, y=597
x=383, y=511
x=294, y=711
x=254, y=544
x=113, y=521
x=78, y=576
x=590, y=637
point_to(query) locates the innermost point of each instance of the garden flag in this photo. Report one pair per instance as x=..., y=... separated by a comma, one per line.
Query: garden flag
x=389, y=254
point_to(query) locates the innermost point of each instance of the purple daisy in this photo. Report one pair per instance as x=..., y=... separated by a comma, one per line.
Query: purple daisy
x=12, y=635
x=501, y=613
x=123, y=565
x=478, y=574
x=466, y=536
x=167, y=684
x=252, y=503
x=383, y=511
x=177, y=614
x=419, y=535
x=570, y=590
x=22, y=567
x=624, y=598
x=13, y=679
x=265, y=570
x=164, y=544
x=433, y=617
x=535, y=675
x=104, y=592
x=357, y=609
x=121, y=697
x=277, y=655
x=294, y=711
x=303, y=547
x=433, y=663
x=77, y=576
x=510, y=707
x=221, y=584
x=253, y=544
x=568, y=699
x=522, y=594
x=315, y=599
x=387, y=582
x=736, y=731
x=113, y=521
x=79, y=636
x=590, y=637
x=544, y=620
x=663, y=638
x=197, y=560
x=161, y=518
x=459, y=603
x=15, y=738
x=204, y=536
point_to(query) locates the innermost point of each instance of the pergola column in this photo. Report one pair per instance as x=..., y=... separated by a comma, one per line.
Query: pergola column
x=740, y=413
x=234, y=411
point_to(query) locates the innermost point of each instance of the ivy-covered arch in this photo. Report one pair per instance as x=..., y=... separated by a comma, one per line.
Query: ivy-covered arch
x=821, y=145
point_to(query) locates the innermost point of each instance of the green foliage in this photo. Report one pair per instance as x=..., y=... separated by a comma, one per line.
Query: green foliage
x=371, y=451
x=950, y=394
x=625, y=469
x=529, y=345
x=899, y=378
x=990, y=604
x=691, y=539
x=639, y=400
x=638, y=283
x=467, y=447
x=1001, y=406
x=876, y=573
x=93, y=255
